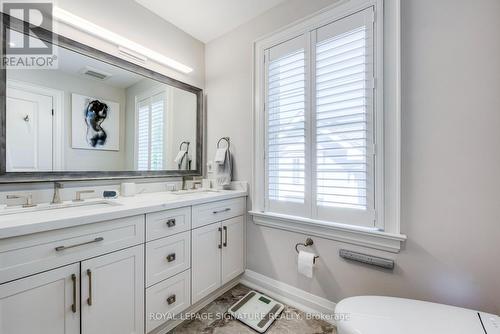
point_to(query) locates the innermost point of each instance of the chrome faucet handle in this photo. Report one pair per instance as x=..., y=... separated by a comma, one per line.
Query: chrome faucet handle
x=79, y=195
x=28, y=199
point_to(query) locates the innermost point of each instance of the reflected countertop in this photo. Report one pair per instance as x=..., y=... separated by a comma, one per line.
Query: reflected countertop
x=22, y=223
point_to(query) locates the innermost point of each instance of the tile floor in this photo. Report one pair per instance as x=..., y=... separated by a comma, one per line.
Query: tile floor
x=211, y=321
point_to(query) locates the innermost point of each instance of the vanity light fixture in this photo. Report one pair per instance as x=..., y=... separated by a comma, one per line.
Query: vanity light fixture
x=122, y=43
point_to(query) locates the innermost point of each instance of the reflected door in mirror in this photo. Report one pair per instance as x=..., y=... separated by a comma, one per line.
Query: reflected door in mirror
x=29, y=130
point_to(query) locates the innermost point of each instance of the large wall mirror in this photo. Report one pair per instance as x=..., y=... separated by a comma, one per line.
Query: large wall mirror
x=95, y=115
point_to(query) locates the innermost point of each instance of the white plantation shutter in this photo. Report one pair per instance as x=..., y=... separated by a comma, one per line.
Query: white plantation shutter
x=157, y=127
x=286, y=126
x=344, y=120
x=320, y=155
x=143, y=135
x=150, y=133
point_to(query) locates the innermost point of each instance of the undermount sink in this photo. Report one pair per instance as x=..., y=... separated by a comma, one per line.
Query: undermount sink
x=92, y=204
x=194, y=191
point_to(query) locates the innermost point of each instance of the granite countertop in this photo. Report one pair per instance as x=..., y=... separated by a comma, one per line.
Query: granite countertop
x=22, y=223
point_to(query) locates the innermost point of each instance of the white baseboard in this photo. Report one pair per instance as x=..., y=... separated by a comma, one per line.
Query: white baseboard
x=287, y=294
x=290, y=295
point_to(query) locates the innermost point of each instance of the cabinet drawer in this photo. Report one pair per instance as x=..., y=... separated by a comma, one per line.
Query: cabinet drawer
x=166, y=299
x=167, y=257
x=164, y=223
x=29, y=254
x=205, y=214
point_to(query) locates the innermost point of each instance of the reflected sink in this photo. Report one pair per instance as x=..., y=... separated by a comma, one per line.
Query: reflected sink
x=91, y=204
x=194, y=191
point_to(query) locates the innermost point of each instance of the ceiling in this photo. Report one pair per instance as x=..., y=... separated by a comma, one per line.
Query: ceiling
x=208, y=19
x=74, y=63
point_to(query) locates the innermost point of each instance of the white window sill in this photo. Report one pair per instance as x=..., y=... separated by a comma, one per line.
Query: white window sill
x=372, y=238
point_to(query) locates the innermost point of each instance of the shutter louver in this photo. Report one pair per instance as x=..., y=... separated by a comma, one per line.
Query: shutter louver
x=157, y=126
x=143, y=135
x=286, y=128
x=344, y=126
x=341, y=93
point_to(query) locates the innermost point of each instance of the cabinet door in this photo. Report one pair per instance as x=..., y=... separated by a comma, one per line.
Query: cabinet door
x=206, y=260
x=233, y=248
x=43, y=303
x=113, y=293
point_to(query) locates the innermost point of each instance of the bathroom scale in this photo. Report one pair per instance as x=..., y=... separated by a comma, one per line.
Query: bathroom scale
x=256, y=310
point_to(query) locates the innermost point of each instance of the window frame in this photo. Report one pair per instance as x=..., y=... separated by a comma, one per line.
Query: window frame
x=385, y=235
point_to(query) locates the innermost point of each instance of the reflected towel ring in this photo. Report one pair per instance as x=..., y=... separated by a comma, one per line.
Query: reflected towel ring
x=309, y=242
x=187, y=145
x=228, y=141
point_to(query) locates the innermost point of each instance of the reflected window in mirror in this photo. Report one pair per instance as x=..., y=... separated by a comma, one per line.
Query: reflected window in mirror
x=150, y=125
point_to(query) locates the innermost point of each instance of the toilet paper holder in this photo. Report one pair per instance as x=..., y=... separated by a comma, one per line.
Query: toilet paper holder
x=309, y=242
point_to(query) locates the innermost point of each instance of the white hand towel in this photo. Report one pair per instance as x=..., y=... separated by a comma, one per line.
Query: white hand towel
x=179, y=156
x=220, y=156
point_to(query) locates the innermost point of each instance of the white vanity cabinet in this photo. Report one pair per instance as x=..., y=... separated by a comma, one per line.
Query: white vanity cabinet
x=112, y=288
x=103, y=264
x=112, y=276
x=44, y=303
x=218, y=248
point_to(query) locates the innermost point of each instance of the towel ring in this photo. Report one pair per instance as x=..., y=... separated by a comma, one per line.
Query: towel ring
x=228, y=141
x=309, y=242
x=187, y=145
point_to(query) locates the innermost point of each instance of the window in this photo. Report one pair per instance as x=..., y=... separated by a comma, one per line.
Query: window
x=327, y=134
x=150, y=127
x=320, y=139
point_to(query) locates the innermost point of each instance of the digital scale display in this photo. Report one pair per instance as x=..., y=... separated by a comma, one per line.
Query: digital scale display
x=264, y=300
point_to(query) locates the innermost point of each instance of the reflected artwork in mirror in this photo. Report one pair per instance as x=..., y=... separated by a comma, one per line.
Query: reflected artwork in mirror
x=96, y=115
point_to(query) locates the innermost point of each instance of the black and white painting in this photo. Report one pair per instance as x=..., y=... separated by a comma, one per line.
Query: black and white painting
x=95, y=123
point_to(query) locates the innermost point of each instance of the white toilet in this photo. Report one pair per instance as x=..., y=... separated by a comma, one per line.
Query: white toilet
x=388, y=315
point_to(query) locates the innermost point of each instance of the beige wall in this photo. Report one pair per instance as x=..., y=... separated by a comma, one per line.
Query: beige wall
x=450, y=167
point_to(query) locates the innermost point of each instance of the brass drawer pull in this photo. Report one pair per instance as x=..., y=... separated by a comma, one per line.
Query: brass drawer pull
x=171, y=257
x=171, y=222
x=171, y=300
x=220, y=243
x=89, y=300
x=61, y=248
x=73, y=306
x=225, y=236
x=220, y=211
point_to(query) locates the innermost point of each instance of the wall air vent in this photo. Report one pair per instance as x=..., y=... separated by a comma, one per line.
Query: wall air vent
x=95, y=73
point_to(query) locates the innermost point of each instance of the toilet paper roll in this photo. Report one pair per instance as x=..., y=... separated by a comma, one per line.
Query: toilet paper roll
x=305, y=263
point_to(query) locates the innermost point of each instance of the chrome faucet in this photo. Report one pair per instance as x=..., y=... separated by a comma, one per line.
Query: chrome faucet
x=56, y=199
x=28, y=197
